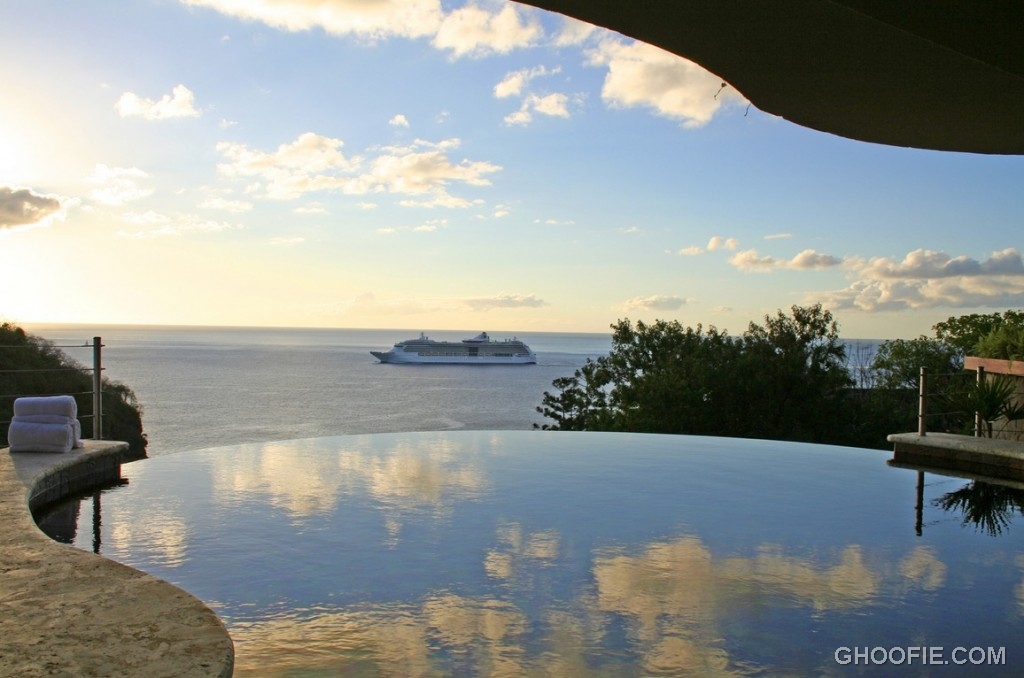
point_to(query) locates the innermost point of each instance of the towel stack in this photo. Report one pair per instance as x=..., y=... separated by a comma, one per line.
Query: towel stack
x=45, y=424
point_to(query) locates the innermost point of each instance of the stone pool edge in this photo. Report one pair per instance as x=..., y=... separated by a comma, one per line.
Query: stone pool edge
x=991, y=457
x=64, y=611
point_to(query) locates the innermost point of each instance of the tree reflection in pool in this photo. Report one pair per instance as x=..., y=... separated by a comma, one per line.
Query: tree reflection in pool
x=510, y=553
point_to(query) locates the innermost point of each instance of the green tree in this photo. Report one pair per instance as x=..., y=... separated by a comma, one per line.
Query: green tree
x=897, y=366
x=1006, y=342
x=785, y=379
x=965, y=331
x=898, y=362
x=32, y=366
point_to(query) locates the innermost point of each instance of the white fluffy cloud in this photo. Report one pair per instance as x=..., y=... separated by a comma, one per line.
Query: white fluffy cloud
x=314, y=163
x=514, y=83
x=715, y=243
x=118, y=185
x=929, y=279
x=923, y=263
x=474, y=31
x=643, y=75
x=718, y=242
x=750, y=260
x=574, y=32
x=555, y=105
x=180, y=103
x=657, y=302
x=373, y=19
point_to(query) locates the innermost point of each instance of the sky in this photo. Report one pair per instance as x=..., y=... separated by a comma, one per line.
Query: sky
x=453, y=165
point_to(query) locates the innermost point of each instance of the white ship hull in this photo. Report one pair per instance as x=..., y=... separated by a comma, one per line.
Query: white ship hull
x=480, y=350
x=389, y=357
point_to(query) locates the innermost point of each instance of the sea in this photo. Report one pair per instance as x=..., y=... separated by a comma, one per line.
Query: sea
x=203, y=387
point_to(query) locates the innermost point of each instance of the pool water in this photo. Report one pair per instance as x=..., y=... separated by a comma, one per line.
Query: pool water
x=589, y=554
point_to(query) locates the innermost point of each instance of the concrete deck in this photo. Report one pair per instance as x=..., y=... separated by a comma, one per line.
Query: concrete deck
x=990, y=457
x=66, y=612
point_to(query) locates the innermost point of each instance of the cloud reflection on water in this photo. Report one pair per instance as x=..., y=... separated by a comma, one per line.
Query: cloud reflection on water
x=442, y=554
x=673, y=596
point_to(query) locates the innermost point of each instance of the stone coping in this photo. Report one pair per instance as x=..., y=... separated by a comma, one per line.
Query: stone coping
x=993, y=457
x=67, y=612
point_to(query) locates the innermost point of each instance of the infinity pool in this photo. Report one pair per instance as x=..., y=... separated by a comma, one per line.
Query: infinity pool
x=574, y=554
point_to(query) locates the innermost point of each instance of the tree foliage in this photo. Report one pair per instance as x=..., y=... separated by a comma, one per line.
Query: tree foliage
x=32, y=366
x=898, y=362
x=965, y=331
x=897, y=365
x=785, y=379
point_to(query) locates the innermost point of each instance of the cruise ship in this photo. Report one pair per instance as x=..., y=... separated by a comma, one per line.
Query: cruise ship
x=480, y=350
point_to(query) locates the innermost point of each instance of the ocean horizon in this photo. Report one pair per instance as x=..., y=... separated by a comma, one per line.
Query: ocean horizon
x=210, y=386
x=203, y=387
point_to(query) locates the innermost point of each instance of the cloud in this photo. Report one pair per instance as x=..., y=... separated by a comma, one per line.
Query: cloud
x=25, y=207
x=643, y=75
x=574, y=32
x=372, y=20
x=308, y=164
x=811, y=260
x=430, y=226
x=750, y=260
x=416, y=172
x=117, y=185
x=929, y=279
x=553, y=105
x=718, y=242
x=475, y=32
x=314, y=163
x=504, y=300
x=929, y=264
x=515, y=82
x=778, y=236
x=657, y=302
x=399, y=121
x=178, y=104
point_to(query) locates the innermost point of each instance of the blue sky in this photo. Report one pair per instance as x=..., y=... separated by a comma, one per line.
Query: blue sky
x=452, y=165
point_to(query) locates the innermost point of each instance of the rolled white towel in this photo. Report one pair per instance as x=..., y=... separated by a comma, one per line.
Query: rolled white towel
x=44, y=419
x=31, y=436
x=75, y=425
x=64, y=405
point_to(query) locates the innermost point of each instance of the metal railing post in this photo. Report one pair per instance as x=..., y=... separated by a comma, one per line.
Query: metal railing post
x=922, y=402
x=97, y=388
x=978, y=422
